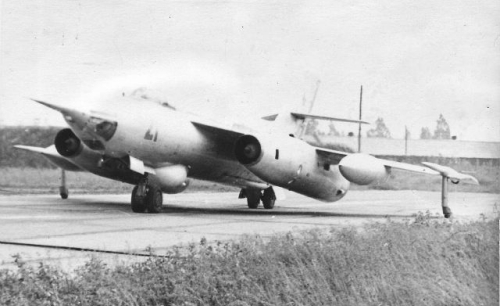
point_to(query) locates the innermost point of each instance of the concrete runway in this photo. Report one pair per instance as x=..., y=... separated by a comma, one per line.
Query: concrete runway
x=106, y=222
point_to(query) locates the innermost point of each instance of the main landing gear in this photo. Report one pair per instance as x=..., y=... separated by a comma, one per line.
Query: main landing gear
x=147, y=196
x=255, y=196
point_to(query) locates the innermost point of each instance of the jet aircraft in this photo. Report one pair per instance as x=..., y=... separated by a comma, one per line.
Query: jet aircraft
x=158, y=149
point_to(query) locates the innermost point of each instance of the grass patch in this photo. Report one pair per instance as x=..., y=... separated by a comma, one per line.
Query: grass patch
x=43, y=180
x=424, y=261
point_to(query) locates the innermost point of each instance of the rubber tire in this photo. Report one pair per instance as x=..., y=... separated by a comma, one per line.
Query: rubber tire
x=268, y=199
x=138, y=204
x=253, y=198
x=63, y=192
x=154, y=200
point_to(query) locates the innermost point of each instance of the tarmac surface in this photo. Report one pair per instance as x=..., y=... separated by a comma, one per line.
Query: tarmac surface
x=44, y=224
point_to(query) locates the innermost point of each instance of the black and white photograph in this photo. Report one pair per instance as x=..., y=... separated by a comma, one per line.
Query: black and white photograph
x=251, y=152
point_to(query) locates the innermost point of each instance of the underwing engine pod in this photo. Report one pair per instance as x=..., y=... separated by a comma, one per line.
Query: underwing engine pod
x=449, y=174
x=71, y=147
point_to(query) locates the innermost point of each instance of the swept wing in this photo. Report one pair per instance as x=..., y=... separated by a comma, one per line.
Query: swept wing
x=51, y=154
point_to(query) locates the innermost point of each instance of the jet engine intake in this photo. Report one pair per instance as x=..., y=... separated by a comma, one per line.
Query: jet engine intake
x=72, y=148
x=67, y=143
x=362, y=169
x=248, y=150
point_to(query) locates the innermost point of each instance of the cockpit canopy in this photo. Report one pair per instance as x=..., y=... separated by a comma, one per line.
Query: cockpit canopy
x=143, y=93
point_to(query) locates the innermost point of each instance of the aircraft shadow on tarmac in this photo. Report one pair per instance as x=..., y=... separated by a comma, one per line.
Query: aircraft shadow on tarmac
x=243, y=210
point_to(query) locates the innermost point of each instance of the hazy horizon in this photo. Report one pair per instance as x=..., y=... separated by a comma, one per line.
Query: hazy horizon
x=415, y=60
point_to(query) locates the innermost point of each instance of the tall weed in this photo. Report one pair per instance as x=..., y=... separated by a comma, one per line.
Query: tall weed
x=424, y=261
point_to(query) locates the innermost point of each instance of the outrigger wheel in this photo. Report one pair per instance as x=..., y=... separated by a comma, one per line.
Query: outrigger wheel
x=63, y=190
x=448, y=174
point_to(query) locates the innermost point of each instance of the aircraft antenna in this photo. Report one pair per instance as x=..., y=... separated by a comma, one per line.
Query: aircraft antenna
x=406, y=140
x=360, y=112
x=311, y=104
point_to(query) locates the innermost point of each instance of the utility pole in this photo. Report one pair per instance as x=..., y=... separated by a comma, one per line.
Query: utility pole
x=311, y=104
x=406, y=140
x=360, y=112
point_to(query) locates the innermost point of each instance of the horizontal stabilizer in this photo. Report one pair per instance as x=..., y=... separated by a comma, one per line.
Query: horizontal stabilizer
x=304, y=116
x=53, y=156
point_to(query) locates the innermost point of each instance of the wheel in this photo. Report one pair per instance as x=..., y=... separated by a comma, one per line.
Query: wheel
x=268, y=198
x=253, y=198
x=154, y=200
x=138, y=202
x=63, y=192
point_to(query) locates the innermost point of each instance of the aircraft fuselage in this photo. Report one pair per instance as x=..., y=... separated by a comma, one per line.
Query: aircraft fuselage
x=160, y=137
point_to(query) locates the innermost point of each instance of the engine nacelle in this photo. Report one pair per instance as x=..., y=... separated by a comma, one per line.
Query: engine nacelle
x=72, y=148
x=362, y=169
x=292, y=164
x=68, y=144
x=173, y=178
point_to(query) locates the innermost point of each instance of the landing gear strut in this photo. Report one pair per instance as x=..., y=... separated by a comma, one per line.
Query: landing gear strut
x=255, y=196
x=147, y=196
x=444, y=197
x=63, y=190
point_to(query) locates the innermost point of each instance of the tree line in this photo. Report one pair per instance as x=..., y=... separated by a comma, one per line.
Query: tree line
x=380, y=130
x=32, y=136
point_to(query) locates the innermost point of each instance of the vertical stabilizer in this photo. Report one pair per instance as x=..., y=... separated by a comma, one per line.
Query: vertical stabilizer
x=285, y=123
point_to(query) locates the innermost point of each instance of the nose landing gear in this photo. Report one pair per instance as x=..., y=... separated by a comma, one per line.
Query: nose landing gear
x=147, y=196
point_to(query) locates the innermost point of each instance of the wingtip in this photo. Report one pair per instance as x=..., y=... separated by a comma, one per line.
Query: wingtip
x=471, y=180
x=452, y=173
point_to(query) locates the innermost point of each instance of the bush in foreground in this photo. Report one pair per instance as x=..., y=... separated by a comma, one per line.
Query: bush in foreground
x=422, y=262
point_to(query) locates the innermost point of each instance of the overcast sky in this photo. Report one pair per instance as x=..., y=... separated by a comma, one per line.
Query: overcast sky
x=415, y=59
